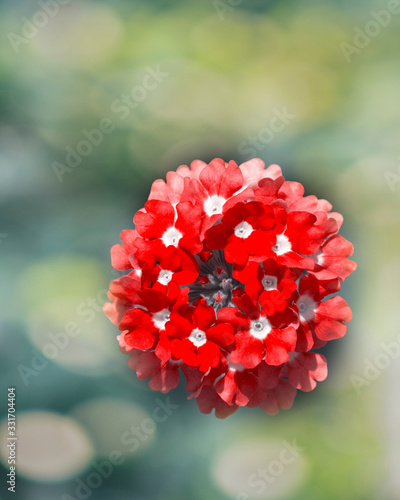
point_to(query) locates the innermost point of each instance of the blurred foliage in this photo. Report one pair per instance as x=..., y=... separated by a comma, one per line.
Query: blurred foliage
x=224, y=76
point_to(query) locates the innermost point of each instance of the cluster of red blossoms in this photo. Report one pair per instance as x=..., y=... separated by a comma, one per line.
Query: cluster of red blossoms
x=231, y=269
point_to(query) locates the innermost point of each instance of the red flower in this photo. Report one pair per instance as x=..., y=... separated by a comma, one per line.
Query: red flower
x=192, y=172
x=331, y=259
x=123, y=256
x=197, y=337
x=161, y=225
x=122, y=293
x=254, y=171
x=148, y=319
x=164, y=375
x=231, y=271
x=171, y=265
x=175, y=190
x=320, y=321
x=207, y=400
x=269, y=282
x=243, y=231
x=237, y=385
x=305, y=369
x=281, y=396
x=260, y=336
x=219, y=187
x=297, y=235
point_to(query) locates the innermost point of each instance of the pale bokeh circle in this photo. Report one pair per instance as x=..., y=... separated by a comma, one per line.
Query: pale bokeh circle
x=259, y=470
x=115, y=424
x=50, y=446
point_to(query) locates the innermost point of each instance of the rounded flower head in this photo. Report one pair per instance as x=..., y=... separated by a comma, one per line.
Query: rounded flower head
x=231, y=271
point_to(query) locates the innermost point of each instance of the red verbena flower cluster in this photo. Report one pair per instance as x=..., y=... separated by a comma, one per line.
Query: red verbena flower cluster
x=231, y=272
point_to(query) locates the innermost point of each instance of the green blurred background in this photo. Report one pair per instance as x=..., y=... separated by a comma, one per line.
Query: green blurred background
x=205, y=79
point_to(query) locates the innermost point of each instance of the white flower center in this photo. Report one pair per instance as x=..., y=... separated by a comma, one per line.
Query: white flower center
x=198, y=337
x=171, y=237
x=243, y=230
x=213, y=205
x=160, y=318
x=269, y=282
x=307, y=307
x=282, y=245
x=260, y=328
x=165, y=277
